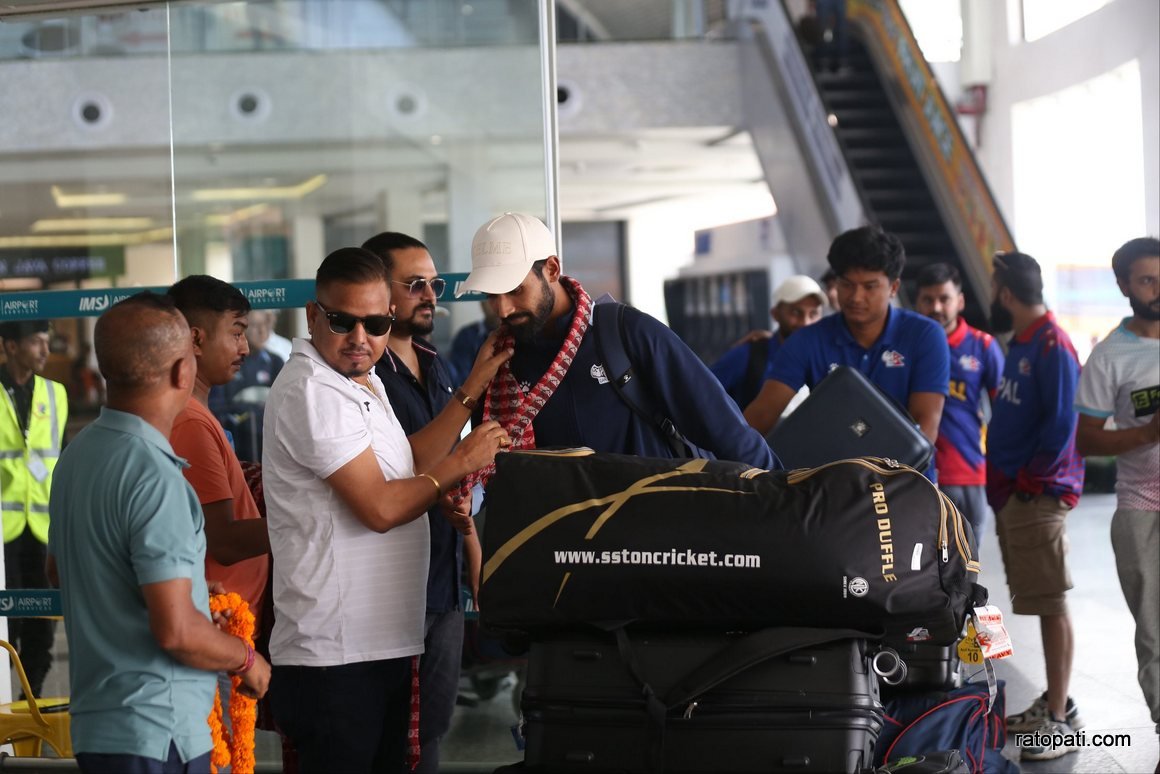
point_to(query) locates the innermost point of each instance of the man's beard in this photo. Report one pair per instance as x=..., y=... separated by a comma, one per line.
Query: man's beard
x=529, y=324
x=1145, y=310
x=415, y=326
x=1001, y=320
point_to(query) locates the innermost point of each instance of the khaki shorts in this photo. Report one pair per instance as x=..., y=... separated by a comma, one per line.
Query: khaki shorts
x=1033, y=539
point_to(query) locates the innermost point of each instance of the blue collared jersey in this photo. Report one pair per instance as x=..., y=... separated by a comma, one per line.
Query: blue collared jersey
x=731, y=368
x=1031, y=440
x=976, y=365
x=910, y=356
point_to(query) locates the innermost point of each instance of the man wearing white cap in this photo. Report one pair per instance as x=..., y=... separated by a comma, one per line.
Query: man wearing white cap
x=797, y=302
x=555, y=390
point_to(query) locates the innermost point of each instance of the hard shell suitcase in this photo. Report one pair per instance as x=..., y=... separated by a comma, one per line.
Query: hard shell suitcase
x=585, y=709
x=846, y=416
x=928, y=668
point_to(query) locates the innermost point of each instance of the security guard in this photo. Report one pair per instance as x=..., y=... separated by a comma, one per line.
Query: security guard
x=32, y=423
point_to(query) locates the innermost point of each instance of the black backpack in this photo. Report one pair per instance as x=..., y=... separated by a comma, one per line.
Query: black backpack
x=620, y=368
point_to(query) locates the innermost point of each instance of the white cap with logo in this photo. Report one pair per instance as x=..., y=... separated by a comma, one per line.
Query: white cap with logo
x=796, y=288
x=503, y=251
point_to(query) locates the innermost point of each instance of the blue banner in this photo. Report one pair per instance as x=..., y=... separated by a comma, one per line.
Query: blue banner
x=262, y=294
x=30, y=603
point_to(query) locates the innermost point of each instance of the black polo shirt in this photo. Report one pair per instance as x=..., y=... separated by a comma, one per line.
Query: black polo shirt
x=416, y=405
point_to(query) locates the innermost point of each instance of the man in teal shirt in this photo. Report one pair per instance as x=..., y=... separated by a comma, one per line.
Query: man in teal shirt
x=127, y=546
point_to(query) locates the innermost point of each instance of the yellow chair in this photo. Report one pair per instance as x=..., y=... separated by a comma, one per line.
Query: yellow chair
x=27, y=725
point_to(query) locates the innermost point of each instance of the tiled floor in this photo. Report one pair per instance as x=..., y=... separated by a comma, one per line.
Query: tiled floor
x=1103, y=683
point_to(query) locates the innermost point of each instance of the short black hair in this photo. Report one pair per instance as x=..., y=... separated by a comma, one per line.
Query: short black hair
x=350, y=265
x=868, y=248
x=200, y=294
x=828, y=278
x=1130, y=252
x=15, y=330
x=1020, y=273
x=384, y=244
x=939, y=274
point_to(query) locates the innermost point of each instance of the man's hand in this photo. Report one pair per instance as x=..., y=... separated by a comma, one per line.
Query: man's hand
x=458, y=512
x=256, y=679
x=487, y=363
x=479, y=448
x=752, y=336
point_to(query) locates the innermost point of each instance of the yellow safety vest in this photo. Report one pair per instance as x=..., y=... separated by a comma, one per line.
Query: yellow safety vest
x=26, y=458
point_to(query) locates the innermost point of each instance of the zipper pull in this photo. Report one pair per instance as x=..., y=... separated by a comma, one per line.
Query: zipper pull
x=945, y=554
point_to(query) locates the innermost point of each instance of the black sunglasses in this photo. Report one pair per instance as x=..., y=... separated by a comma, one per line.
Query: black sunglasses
x=343, y=323
x=416, y=288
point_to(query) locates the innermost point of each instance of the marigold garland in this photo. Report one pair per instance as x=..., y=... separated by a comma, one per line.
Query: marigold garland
x=235, y=746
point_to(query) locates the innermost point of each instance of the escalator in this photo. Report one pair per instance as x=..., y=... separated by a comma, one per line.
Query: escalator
x=894, y=191
x=880, y=127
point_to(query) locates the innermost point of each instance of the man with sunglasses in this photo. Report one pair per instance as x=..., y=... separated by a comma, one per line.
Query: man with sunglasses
x=347, y=496
x=418, y=386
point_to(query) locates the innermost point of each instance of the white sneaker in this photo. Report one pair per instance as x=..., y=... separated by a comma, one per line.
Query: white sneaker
x=1049, y=740
x=1032, y=717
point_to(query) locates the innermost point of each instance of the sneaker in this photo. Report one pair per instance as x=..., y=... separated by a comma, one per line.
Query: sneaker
x=1049, y=740
x=1030, y=718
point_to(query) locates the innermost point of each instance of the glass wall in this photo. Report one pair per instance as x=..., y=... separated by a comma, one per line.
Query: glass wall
x=246, y=140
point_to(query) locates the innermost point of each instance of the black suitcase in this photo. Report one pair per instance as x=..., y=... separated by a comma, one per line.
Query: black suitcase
x=846, y=416
x=813, y=709
x=929, y=667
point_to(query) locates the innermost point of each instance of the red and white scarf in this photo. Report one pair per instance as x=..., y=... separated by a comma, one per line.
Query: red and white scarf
x=514, y=409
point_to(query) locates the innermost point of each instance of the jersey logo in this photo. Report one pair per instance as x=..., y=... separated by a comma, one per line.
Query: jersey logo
x=970, y=363
x=893, y=359
x=1146, y=402
x=597, y=373
x=1009, y=391
x=1025, y=366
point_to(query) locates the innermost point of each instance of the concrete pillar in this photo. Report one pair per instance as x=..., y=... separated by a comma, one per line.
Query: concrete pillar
x=308, y=248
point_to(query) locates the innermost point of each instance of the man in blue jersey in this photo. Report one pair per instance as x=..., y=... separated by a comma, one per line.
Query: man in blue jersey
x=797, y=302
x=555, y=390
x=902, y=352
x=1034, y=477
x=976, y=365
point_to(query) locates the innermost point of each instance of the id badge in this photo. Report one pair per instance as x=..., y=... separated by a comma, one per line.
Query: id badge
x=36, y=467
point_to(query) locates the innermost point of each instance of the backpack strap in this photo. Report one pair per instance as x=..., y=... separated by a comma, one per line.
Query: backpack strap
x=755, y=369
x=619, y=367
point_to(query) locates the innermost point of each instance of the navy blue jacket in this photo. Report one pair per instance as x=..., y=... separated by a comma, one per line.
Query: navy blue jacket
x=416, y=405
x=586, y=411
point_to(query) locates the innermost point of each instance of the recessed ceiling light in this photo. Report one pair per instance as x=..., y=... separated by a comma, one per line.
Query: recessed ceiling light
x=91, y=224
x=260, y=192
x=66, y=200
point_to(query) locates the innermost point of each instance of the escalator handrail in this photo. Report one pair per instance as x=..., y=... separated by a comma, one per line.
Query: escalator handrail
x=888, y=36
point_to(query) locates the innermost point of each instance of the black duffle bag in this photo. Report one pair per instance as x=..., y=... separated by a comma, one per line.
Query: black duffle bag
x=574, y=537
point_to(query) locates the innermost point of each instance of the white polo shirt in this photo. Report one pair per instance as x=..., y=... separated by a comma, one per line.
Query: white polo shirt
x=343, y=594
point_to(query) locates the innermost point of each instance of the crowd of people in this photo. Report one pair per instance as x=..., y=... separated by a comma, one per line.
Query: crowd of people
x=367, y=473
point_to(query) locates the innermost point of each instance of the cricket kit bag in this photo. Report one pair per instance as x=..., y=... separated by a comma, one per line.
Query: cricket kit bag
x=578, y=537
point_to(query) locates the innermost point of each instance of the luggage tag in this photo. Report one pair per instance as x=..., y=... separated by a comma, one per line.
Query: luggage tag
x=36, y=467
x=986, y=639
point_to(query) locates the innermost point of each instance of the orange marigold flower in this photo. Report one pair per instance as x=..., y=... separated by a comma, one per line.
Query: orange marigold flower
x=236, y=747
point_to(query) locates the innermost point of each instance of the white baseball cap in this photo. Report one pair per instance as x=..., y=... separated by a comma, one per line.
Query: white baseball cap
x=503, y=251
x=796, y=288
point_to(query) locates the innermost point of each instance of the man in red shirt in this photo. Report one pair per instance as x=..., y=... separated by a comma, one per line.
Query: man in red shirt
x=237, y=544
